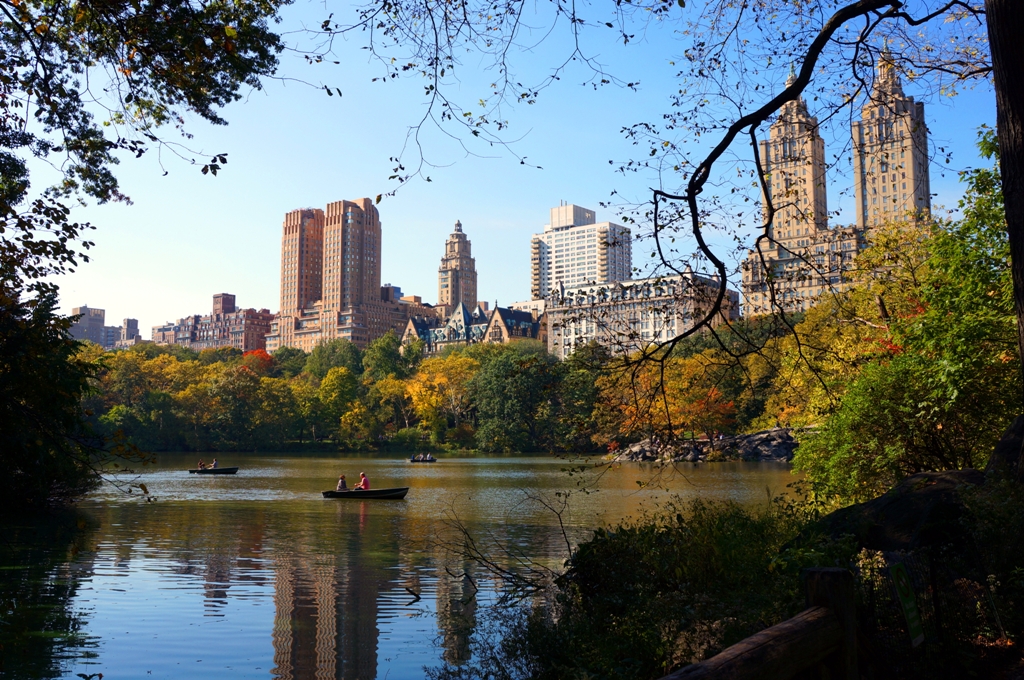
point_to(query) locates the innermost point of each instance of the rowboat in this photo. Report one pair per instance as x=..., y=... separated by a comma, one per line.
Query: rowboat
x=215, y=471
x=360, y=495
x=432, y=460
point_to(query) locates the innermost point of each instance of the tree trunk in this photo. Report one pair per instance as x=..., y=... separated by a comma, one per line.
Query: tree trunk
x=1005, y=19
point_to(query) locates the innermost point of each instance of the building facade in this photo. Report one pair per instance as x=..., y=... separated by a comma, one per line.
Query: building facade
x=91, y=327
x=456, y=277
x=302, y=258
x=352, y=304
x=465, y=327
x=575, y=250
x=890, y=153
x=628, y=315
x=802, y=258
x=225, y=326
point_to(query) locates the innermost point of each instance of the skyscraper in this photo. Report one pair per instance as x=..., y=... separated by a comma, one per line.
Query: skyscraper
x=352, y=241
x=456, y=277
x=339, y=249
x=574, y=250
x=890, y=153
x=301, y=258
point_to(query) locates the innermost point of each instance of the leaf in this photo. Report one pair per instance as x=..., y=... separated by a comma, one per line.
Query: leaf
x=378, y=199
x=230, y=32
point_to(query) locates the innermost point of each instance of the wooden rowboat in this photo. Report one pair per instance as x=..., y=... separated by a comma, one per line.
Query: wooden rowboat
x=215, y=471
x=360, y=495
x=432, y=460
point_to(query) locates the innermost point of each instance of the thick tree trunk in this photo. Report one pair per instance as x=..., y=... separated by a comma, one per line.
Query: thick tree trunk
x=1005, y=20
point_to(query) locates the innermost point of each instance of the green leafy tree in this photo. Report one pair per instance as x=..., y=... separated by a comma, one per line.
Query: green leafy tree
x=290, y=362
x=580, y=397
x=48, y=452
x=338, y=390
x=946, y=387
x=383, y=357
x=516, y=393
x=328, y=355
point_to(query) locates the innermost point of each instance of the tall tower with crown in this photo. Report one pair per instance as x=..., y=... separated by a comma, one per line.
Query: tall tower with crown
x=890, y=153
x=456, y=277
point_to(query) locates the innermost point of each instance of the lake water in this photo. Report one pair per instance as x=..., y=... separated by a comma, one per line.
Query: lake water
x=257, y=576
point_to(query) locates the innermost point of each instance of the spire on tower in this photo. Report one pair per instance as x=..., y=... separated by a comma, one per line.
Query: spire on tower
x=458, y=227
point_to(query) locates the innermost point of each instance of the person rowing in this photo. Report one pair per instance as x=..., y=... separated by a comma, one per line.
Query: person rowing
x=364, y=483
x=342, y=486
x=201, y=465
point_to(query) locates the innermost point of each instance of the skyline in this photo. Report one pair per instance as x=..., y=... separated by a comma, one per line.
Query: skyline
x=189, y=236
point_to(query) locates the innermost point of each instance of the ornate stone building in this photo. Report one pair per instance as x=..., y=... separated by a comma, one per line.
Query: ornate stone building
x=464, y=327
x=456, y=277
x=803, y=258
x=890, y=153
x=628, y=315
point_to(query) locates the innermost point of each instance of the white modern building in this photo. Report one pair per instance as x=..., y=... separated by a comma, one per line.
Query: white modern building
x=575, y=250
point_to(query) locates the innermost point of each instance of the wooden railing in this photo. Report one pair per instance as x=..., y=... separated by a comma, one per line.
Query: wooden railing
x=820, y=641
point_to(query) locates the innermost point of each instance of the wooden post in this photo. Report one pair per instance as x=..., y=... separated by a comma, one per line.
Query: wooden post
x=833, y=589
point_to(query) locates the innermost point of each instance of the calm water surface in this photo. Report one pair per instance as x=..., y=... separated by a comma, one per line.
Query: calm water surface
x=257, y=576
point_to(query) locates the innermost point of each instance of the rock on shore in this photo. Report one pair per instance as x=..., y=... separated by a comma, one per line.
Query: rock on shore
x=776, y=444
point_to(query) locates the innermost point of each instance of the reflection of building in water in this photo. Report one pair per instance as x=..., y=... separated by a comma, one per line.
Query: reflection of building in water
x=326, y=620
x=456, y=615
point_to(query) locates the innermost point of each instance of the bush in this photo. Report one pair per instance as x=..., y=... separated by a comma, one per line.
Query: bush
x=643, y=599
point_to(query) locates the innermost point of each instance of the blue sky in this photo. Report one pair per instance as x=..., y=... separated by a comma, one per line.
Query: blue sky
x=188, y=236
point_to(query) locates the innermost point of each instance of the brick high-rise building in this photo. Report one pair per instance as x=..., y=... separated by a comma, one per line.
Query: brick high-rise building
x=352, y=304
x=226, y=326
x=301, y=258
x=456, y=277
x=890, y=153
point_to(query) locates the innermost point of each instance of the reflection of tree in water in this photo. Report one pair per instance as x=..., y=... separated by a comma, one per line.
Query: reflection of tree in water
x=456, y=613
x=41, y=566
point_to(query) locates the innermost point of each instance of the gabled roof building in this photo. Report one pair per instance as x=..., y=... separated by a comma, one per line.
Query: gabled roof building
x=464, y=327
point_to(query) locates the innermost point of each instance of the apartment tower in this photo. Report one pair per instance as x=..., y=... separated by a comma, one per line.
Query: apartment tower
x=575, y=250
x=351, y=246
x=456, y=277
x=890, y=153
x=330, y=280
x=802, y=258
x=301, y=258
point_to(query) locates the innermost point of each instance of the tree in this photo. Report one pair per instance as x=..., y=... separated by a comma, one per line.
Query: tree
x=940, y=393
x=516, y=396
x=383, y=357
x=440, y=390
x=290, y=362
x=48, y=453
x=328, y=355
x=337, y=392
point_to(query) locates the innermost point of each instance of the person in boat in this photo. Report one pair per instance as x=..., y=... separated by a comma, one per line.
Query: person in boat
x=364, y=483
x=201, y=465
x=342, y=486
x=429, y=458
x=213, y=465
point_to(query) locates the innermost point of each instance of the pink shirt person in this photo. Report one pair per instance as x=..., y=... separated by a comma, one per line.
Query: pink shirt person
x=364, y=482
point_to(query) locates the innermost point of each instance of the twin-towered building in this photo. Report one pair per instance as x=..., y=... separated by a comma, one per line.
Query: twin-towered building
x=330, y=279
x=803, y=257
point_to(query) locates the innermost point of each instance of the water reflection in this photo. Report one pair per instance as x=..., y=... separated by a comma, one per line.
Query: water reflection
x=43, y=562
x=258, y=576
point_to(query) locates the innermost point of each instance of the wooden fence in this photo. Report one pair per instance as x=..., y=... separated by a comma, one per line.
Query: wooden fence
x=819, y=642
